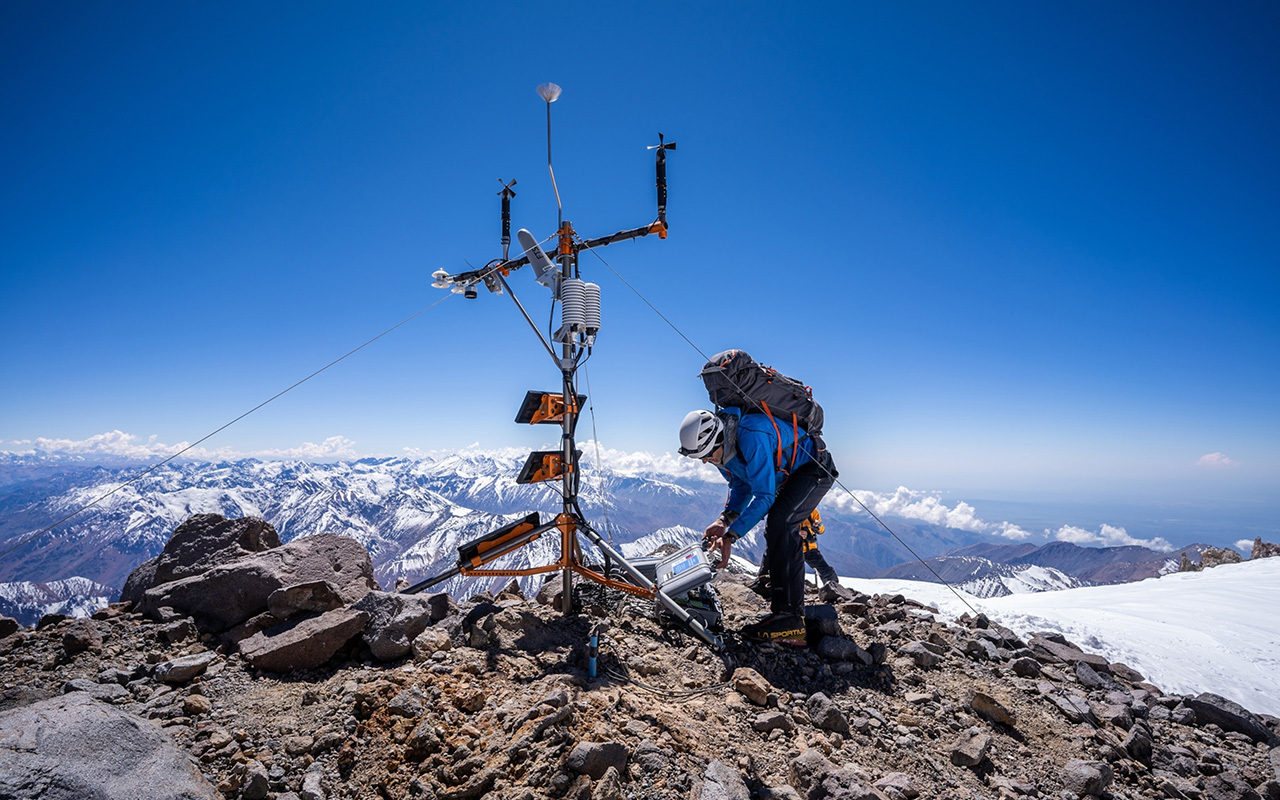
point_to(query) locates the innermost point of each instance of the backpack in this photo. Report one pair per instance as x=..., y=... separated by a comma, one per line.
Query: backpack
x=735, y=379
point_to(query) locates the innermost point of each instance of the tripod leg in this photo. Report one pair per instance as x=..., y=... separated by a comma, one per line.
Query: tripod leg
x=689, y=621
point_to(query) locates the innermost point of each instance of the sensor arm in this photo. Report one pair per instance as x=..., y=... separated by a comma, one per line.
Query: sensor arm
x=505, y=267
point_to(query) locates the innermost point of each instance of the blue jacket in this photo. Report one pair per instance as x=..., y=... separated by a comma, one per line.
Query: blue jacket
x=752, y=470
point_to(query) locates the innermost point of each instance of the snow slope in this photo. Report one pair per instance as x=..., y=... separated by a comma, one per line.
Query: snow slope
x=1189, y=632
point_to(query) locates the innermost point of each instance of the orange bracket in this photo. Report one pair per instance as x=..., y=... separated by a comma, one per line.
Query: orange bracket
x=544, y=465
x=552, y=409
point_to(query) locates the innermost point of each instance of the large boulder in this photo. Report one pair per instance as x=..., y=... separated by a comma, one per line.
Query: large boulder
x=1230, y=716
x=227, y=595
x=206, y=541
x=395, y=620
x=201, y=543
x=76, y=748
x=303, y=643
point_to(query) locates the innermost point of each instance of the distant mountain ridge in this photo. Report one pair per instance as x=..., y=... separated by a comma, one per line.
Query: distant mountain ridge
x=27, y=601
x=413, y=513
x=993, y=569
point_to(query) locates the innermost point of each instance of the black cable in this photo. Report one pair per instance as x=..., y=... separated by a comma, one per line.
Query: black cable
x=821, y=466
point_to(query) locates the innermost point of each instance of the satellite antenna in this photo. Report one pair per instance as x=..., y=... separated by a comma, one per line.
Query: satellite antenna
x=580, y=325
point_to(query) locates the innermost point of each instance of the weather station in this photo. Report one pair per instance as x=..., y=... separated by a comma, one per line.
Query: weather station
x=677, y=583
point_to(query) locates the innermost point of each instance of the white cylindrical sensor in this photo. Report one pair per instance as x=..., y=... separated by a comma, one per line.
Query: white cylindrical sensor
x=592, y=309
x=573, y=303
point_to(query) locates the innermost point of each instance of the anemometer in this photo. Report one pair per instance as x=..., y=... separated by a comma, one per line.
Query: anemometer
x=580, y=325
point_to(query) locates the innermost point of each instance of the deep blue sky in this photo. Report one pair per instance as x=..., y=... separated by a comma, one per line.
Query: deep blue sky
x=1016, y=248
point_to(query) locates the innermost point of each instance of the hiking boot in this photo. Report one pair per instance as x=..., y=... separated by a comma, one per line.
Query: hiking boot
x=761, y=587
x=834, y=593
x=777, y=628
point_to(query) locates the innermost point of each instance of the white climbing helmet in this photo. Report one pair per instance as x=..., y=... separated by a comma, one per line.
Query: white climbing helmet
x=700, y=434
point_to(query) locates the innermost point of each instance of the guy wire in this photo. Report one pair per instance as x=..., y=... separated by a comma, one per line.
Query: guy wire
x=820, y=466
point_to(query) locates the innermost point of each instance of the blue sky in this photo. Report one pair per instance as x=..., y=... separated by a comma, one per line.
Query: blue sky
x=1018, y=249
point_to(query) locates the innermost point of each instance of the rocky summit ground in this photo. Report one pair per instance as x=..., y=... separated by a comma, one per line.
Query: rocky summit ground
x=491, y=697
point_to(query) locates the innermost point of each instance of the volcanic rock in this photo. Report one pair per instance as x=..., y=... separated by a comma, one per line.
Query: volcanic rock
x=751, y=684
x=106, y=692
x=1217, y=556
x=970, y=749
x=82, y=635
x=1230, y=716
x=838, y=648
x=807, y=770
x=315, y=596
x=843, y=784
x=985, y=705
x=826, y=714
x=593, y=758
x=394, y=621
x=206, y=541
x=1087, y=777
x=139, y=581
x=897, y=786
x=181, y=670
x=723, y=782
x=303, y=643
x=920, y=653
x=229, y=594
x=74, y=747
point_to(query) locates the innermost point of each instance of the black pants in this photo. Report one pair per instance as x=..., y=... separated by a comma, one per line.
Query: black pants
x=814, y=558
x=796, y=499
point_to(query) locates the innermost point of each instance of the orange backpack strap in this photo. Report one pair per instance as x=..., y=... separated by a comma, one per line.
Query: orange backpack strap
x=777, y=433
x=795, y=442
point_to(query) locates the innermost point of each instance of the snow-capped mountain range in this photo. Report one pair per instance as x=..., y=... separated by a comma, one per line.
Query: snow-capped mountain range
x=412, y=513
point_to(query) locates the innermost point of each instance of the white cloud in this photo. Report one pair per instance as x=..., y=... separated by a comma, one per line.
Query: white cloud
x=114, y=443
x=909, y=504
x=1245, y=546
x=1106, y=536
x=126, y=445
x=1215, y=461
x=666, y=465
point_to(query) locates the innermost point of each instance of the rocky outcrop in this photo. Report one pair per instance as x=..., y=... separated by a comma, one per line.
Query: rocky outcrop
x=74, y=747
x=1263, y=549
x=227, y=595
x=1217, y=556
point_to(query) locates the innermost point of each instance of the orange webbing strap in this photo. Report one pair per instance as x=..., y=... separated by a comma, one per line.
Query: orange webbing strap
x=795, y=444
x=776, y=433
